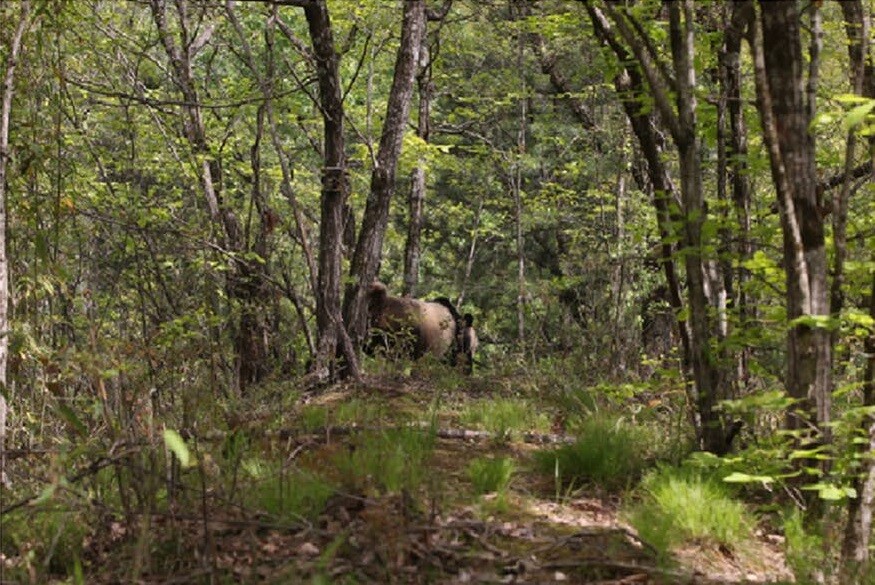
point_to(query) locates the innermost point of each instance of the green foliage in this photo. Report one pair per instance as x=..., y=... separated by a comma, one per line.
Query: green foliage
x=490, y=474
x=50, y=535
x=356, y=411
x=678, y=506
x=804, y=549
x=177, y=446
x=607, y=453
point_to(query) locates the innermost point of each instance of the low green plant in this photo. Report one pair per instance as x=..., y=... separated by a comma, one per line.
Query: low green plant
x=391, y=461
x=52, y=533
x=503, y=416
x=293, y=495
x=811, y=559
x=355, y=411
x=678, y=505
x=606, y=453
x=490, y=474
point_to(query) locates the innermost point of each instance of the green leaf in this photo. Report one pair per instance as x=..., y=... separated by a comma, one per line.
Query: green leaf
x=857, y=115
x=831, y=492
x=815, y=322
x=738, y=477
x=68, y=415
x=178, y=447
x=45, y=495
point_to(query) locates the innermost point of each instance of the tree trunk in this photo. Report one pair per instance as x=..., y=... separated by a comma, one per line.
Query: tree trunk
x=366, y=258
x=786, y=118
x=517, y=186
x=472, y=250
x=737, y=20
x=704, y=285
x=244, y=280
x=858, y=529
x=6, y=93
x=335, y=189
x=412, y=249
x=709, y=378
x=631, y=87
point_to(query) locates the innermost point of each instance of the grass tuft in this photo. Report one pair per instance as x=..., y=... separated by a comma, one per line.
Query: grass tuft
x=392, y=460
x=296, y=495
x=504, y=416
x=489, y=474
x=679, y=506
x=606, y=453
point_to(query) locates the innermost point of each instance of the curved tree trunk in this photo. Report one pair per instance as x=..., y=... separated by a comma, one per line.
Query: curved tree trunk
x=704, y=284
x=368, y=251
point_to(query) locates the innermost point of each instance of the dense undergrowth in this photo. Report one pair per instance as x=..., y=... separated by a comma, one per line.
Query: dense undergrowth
x=324, y=475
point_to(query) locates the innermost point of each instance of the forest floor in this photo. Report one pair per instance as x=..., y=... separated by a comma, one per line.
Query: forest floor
x=439, y=532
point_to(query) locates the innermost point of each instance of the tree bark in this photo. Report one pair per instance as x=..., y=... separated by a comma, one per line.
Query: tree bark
x=335, y=190
x=631, y=87
x=6, y=93
x=412, y=248
x=517, y=187
x=366, y=258
x=858, y=529
x=786, y=118
x=737, y=19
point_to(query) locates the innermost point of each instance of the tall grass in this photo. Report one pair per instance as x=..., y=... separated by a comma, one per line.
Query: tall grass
x=391, y=461
x=606, y=452
x=488, y=474
x=294, y=495
x=503, y=416
x=679, y=506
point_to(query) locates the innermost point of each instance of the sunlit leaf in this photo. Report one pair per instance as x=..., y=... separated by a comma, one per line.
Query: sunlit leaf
x=178, y=447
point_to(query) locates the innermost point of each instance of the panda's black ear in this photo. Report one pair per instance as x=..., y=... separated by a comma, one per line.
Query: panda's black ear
x=469, y=319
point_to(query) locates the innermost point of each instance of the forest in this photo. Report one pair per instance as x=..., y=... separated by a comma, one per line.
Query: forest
x=437, y=291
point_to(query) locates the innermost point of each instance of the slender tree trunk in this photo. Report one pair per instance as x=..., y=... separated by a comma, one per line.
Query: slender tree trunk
x=737, y=19
x=858, y=529
x=631, y=87
x=786, y=118
x=369, y=247
x=243, y=281
x=6, y=93
x=412, y=247
x=472, y=250
x=335, y=190
x=251, y=323
x=517, y=184
x=704, y=285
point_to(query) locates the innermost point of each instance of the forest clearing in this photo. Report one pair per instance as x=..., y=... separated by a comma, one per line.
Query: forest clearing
x=437, y=291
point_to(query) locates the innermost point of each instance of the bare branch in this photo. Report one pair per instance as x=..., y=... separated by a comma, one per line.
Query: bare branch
x=437, y=15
